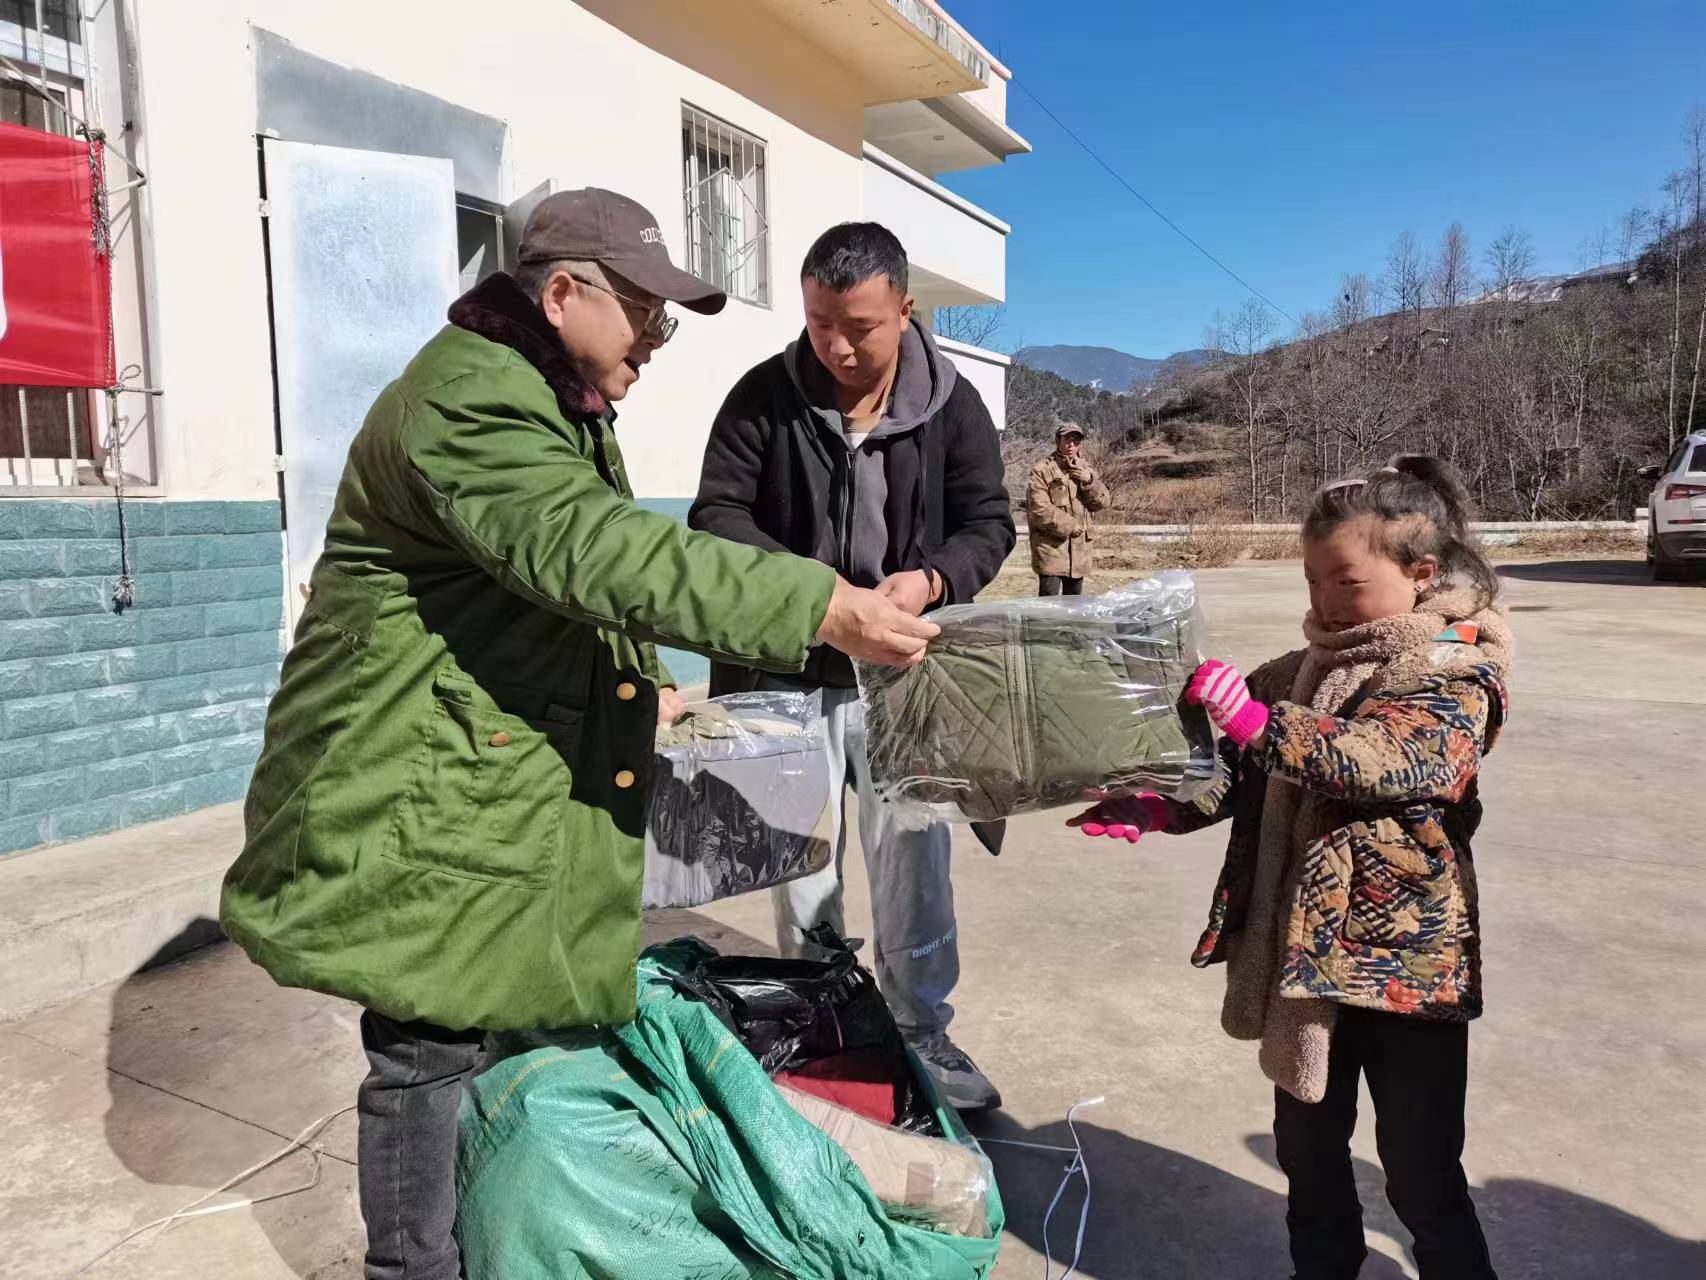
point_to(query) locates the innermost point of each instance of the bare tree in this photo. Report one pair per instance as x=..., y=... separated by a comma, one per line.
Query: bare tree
x=1694, y=136
x=1632, y=230
x=1451, y=277
x=974, y=326
x=1509, y=260
x=1593, y=249
x=1355, y=302
x=1245, y=338
x=1405, y=281
x=1671, y=226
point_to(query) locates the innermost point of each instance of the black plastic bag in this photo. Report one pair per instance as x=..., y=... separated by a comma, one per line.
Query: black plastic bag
x=790, y=1012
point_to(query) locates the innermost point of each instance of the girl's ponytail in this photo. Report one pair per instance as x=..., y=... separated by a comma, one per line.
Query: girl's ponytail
x=1422, y=508
x=1442, y=478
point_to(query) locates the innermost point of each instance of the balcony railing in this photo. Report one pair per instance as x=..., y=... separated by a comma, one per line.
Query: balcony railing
x=958, y=252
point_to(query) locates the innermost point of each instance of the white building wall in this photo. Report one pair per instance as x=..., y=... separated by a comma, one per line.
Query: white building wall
x=588, y=102
x=985, y=370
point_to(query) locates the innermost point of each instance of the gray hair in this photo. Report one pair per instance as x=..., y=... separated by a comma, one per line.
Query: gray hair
x=531, y=276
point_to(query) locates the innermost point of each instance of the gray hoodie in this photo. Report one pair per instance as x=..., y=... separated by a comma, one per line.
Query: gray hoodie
x=922, y=383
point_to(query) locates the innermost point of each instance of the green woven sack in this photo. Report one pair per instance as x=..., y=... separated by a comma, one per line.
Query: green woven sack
x=663, y=1148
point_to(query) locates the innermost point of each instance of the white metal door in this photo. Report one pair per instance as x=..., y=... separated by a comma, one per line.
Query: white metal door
x=363, y=266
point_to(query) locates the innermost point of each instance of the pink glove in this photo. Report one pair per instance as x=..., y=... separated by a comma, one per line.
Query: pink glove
x=1124, y=817
x=1219, y=689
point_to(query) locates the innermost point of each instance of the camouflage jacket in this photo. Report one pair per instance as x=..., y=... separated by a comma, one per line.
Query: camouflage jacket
x=1383, y=912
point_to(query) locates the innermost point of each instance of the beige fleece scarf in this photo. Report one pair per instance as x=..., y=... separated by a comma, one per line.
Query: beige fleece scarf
x=1337, y=670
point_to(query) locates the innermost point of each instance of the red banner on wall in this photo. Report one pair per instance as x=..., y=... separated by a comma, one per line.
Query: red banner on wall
x=56, y=327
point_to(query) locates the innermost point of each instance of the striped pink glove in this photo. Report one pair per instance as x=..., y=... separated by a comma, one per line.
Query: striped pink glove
x=1219, y=689
x=1123, y=817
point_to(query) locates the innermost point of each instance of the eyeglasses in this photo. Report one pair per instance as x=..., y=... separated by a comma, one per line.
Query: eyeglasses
x=660, y=326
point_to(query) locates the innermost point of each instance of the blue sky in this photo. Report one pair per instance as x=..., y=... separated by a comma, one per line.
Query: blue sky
x=1297, y=140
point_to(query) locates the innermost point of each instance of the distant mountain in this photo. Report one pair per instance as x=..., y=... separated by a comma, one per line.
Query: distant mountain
x=1103, y=368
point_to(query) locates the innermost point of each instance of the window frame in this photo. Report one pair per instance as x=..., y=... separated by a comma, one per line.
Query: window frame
x=725, y=140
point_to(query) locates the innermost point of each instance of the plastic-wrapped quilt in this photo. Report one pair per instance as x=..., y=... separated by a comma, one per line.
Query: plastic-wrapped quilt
x=740, y=800
x=1021, y=705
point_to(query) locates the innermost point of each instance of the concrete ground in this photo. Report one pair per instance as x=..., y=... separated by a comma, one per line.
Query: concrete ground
x=1587, y=1143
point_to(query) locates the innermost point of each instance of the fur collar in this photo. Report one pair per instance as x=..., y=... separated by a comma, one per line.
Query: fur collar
x=498, y=310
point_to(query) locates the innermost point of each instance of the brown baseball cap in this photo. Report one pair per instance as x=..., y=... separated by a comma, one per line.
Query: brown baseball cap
x=600, y=226
x=1068, y=429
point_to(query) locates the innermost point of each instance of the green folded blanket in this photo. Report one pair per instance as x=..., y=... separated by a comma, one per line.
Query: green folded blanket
x=1022, y=705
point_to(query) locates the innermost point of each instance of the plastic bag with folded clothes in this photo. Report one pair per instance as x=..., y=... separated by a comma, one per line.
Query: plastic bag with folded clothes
x=1021, y=705
x=824, y=1006
x=824, y=1034
x=740, y=800
x=661, y=1148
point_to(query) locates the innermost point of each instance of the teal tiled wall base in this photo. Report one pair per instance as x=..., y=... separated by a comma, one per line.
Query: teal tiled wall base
x=109, y=719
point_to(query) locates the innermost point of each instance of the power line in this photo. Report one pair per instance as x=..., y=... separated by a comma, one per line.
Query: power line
x=1148, y=204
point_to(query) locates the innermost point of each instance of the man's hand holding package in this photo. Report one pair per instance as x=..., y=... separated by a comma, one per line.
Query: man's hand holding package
x=670, y=706
x=915, y=590
x=870, y=627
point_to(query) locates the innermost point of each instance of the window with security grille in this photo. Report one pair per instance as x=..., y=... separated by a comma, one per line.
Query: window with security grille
x=46, y=433
x=728, y=232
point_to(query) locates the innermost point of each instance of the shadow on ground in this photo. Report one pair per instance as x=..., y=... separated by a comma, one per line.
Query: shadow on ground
x=1159, y=1215
x=144, y=1127
x=168, y=1155
x=1541, y=1232
x=1627, y=573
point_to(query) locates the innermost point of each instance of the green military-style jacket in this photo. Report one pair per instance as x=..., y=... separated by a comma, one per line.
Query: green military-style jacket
x=447, y=819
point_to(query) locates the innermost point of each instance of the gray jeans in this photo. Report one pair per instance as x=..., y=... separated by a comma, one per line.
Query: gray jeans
x=912, y=898
x=406, y=1145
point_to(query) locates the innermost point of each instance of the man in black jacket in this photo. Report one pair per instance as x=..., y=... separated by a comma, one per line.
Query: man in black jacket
x=861, y=447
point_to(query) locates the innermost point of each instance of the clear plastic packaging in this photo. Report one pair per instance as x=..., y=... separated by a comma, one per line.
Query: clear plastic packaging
x=740, y=799
x=1023, y=705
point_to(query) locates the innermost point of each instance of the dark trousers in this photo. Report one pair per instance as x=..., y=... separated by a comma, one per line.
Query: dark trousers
x=1417, y=1072
x=406, y=1145
x=1053, y=584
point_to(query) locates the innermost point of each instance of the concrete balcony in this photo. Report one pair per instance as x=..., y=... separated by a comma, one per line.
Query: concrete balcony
x=957, y=251
x=949, y=133
x=899, y=50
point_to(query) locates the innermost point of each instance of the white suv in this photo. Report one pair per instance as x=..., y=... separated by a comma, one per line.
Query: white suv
x=1676, y=530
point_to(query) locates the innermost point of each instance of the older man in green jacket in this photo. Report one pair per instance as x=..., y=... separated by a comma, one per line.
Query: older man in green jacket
x=446, y=823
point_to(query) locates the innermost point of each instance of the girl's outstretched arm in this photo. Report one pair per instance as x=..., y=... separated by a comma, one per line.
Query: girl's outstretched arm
x=1133, y=817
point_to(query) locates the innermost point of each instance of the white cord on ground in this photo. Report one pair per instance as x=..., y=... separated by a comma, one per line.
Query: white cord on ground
x=1079, y=1167
x=1029, y=1146
x=193, y=1209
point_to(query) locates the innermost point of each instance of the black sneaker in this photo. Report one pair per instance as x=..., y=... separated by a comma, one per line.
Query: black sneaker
x=957, y=1078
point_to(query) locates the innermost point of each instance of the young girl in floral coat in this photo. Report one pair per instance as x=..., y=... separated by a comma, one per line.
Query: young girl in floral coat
x=1346, y=909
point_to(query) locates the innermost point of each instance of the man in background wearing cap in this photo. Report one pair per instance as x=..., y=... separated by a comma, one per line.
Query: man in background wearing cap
x=1062, y=493
x=446, y=822
x=859, y=446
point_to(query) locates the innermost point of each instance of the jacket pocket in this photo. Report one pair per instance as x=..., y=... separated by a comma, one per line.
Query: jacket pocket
x=488, y=790
x=1401, y=896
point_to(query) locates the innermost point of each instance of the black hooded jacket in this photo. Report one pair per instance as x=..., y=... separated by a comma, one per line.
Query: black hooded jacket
x=925, y=490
